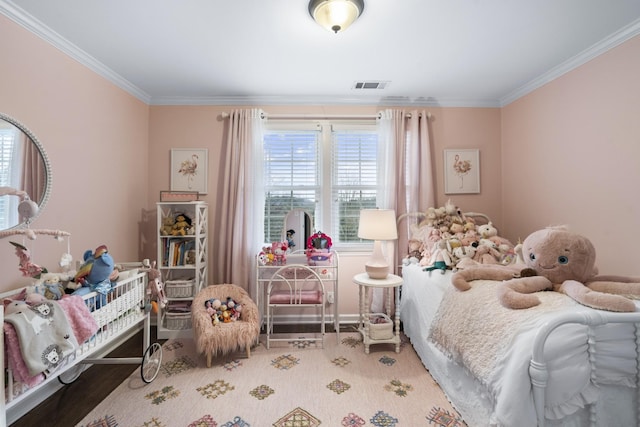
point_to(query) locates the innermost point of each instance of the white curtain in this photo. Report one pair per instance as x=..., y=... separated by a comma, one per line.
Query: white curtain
x=240, y=230
x=406, y=162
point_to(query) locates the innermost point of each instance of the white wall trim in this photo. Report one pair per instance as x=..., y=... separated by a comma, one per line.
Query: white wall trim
x=21, y=17
x=583, y=57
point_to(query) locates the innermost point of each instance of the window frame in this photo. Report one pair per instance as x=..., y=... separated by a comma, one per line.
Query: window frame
x=322, y=217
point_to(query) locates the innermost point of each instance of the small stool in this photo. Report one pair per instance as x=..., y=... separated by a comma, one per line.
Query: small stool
x=224, y=338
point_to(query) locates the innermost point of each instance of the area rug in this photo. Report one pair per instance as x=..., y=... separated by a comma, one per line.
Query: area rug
x=293, y=384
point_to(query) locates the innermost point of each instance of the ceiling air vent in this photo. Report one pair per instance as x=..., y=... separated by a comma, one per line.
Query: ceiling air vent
x=370, y=84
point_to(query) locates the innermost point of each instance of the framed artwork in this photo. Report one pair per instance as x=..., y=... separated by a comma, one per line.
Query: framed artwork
x=461, y=171
x=189, y=169
x=179, y=196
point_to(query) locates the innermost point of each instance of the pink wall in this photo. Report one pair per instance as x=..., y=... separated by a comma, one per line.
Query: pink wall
x=470, y=128
x=201, y=127
x=571, y=155
x=96, y=136
x=110, y=152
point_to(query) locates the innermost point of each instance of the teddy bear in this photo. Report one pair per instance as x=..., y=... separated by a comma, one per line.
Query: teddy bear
x=487, y=252
x=52, y=286
x=555, y=259
x=167, y=226
x=487, y=230
x=464, y=257
x=181, y=226
x=506, y=249
x=470, y=237
x=413, y=256
x=430, y=219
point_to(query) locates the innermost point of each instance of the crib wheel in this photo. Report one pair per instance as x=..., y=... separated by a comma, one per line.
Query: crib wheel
x=71, y=374
x=151, y=362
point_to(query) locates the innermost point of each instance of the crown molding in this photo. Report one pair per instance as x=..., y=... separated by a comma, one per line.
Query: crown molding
x=325, y=100
x=582, y=58
x=18, y=15
x=21, y=17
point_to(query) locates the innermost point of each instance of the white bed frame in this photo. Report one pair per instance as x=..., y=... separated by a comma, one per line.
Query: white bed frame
x=538, y=366
x=538, y=371
x=124, y=311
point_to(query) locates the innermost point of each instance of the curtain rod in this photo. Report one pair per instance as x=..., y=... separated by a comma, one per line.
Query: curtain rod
x=225, y=114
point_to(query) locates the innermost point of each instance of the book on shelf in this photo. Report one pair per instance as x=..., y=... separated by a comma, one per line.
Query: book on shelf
x=177, y=252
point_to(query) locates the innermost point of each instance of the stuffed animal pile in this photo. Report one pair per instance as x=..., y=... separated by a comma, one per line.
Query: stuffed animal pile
x=178, y=225
x=448, y=240
x=276, y=254
x=555, y=259
x=225, y=312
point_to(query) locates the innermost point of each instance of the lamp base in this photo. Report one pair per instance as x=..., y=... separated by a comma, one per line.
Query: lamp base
x=379, y=272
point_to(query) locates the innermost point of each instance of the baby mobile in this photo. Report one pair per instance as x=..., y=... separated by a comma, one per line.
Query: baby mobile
x=28, y=209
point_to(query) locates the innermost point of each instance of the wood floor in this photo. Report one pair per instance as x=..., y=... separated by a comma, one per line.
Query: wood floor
x=69, y=405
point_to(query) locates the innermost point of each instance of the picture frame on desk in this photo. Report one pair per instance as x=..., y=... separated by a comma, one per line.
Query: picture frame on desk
x=189, y=169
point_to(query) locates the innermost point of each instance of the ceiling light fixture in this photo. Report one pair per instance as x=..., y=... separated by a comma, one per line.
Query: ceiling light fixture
x=335, y=15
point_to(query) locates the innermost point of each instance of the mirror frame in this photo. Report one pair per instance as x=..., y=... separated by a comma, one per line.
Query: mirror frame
x=45, y=161
x=310, y=231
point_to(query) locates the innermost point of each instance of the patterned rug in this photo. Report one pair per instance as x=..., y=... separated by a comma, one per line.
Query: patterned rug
x=293, y=384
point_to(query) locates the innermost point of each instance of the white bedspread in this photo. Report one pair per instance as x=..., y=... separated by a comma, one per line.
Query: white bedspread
x=503, y=397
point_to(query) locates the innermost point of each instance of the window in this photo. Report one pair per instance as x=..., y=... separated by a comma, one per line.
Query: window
x=8, y=206
x=328, y=169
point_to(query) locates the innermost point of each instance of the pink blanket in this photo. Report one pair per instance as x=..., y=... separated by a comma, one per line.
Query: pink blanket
x=81, y=321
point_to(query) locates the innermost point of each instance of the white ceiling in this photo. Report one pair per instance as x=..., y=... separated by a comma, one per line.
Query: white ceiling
x=234, y=52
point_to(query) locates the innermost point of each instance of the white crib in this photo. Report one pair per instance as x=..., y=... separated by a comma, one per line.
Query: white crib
x=116, y=314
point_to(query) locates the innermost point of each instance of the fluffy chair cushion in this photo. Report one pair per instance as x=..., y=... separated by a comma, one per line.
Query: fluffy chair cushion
x=224, y=338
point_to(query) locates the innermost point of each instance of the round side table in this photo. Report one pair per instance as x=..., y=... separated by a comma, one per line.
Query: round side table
x=365, y=284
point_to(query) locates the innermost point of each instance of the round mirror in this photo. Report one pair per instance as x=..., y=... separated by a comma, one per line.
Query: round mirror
x=24, y=167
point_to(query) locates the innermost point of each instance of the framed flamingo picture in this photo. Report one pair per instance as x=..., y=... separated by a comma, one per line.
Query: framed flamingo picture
x=189, y=169
x=461, y=171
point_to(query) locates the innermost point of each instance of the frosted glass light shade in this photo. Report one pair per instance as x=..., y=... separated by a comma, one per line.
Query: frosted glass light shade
x=335, y=15
x=377, y=225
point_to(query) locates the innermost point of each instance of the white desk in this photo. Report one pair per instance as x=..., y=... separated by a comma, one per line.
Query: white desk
x=298, y=262
x=365, y=283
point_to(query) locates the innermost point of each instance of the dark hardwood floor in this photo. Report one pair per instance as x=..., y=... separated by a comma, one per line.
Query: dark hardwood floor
x=69, y=405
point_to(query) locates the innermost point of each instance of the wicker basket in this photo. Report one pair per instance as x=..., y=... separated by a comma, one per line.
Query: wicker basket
x=178, y=320
x=179, y=288
x=380, y=326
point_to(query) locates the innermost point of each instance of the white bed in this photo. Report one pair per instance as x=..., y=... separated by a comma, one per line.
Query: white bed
x=585, y=364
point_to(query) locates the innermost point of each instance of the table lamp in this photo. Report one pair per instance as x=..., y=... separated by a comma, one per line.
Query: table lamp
x=377, y=225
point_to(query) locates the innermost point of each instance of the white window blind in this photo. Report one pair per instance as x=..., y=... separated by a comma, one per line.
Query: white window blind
x=354, y=179
x=291, y=170
x=327, y=169
x=7, y=148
